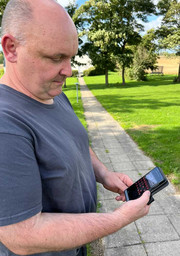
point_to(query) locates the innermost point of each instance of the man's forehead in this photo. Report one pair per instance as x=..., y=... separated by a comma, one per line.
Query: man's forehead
x=52, y=30
x=50, y=47
x=49, y=8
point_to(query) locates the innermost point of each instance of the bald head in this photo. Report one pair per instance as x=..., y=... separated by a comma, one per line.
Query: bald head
x=22, y=16
x=39, y=39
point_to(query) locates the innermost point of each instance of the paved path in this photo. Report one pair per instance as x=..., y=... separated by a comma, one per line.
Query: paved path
x=157, y=234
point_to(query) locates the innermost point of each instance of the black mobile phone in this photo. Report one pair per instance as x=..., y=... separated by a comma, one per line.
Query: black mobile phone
x=154, y=181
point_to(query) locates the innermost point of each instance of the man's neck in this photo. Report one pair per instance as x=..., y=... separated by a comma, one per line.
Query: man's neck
x=8, y=82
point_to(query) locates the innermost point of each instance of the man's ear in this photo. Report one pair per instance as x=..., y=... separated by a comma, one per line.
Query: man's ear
x=9, y=45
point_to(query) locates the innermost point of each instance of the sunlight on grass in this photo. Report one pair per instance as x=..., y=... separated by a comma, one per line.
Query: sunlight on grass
x=71, y=93
x=149, y=111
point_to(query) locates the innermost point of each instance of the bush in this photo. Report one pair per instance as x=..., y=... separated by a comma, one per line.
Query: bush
x=1, y=72
x=88, y=71
x=138, y=73
x=1, y=58
x=143, y=60
x=93, y=71
x=75, y=73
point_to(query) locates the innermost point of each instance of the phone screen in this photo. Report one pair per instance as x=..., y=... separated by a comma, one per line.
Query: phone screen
x=148, y=182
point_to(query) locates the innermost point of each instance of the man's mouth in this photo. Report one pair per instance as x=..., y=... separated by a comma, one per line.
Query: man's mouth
x=61, y=82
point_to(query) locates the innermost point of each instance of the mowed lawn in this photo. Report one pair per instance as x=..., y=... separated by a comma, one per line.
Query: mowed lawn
x=149, y=112
x=71, y=93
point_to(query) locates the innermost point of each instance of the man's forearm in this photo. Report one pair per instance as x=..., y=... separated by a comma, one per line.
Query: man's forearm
x=47, y=232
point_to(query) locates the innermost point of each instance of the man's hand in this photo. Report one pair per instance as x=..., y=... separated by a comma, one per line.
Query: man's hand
x=117, y=182
x=134, y=209
x=113, y=181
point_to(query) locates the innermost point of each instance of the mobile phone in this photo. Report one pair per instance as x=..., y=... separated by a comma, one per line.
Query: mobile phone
x=154, y=181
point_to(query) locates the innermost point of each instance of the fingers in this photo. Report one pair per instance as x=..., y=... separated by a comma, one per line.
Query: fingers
x=128, y=181
x=145, y=197
x=125, y=181
x=120, y=198
x=134, y=209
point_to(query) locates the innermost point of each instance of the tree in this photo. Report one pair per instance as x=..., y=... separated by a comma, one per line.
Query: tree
x=169, y=32
x=143, y=60
x=71, y=9
x=145, y=56
x=2, y=7
x=102, y=60
x=111, y=26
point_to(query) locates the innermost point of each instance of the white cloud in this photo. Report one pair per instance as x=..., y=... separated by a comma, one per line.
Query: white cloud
x=155, y=23
x=64, y=3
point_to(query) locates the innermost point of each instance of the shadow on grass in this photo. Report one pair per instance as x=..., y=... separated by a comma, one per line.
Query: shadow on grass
x=70, y=87
x=152, y=81
x=129, y=104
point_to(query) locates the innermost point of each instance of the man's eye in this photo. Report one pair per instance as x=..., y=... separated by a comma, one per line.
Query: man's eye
x=57, y=59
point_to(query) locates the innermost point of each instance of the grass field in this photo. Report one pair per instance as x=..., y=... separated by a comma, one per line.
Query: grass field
x=149, y=112
x=71, y=93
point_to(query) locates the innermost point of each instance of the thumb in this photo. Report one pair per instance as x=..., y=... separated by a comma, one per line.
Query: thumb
x=145, y=197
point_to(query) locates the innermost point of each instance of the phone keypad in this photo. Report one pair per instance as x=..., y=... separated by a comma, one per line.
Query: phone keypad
x=142, y=185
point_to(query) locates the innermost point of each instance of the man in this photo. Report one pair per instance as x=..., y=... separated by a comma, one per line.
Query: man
x=48, y=173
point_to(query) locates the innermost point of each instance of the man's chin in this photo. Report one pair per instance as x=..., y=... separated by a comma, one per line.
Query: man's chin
x=55, y=92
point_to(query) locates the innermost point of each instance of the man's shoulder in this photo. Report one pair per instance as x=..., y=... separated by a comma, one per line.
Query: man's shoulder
x=11, y=118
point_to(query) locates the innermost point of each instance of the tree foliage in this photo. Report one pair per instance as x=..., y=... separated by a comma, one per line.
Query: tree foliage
x=145, y=56
x=2, y=7
x=71, y=9
x=169, y=32
x=111, y=26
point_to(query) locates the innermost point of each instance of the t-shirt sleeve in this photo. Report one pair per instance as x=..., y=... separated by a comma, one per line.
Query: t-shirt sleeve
x=20, y=183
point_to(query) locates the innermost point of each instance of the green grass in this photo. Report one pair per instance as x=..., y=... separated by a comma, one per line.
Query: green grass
x=1, y=72
x=71, y=93
x=149, y=112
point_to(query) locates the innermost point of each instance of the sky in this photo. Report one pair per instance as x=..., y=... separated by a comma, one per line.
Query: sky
x=154, y=21
x=65, y=2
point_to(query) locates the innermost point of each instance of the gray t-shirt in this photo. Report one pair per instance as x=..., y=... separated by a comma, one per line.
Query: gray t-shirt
x=44, y=161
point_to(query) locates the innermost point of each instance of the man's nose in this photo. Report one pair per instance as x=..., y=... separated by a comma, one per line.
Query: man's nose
x=66, y=69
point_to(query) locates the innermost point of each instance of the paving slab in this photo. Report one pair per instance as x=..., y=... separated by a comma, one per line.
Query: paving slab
x=161, y=229
x=134, y=250
x=168, y=248
x=125, y=237
x=175, y=219
x=158, y=233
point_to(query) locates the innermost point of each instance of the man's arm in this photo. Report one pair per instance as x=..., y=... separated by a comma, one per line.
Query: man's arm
x=113, y=181
x=47, y=232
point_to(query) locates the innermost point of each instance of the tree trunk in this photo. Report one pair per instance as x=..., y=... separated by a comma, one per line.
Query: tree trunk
x=123, y=75
x=106, y=76
x=65, y=84
x=178, y=78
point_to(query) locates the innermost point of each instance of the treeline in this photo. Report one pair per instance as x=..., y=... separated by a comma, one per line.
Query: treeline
x=110, y=33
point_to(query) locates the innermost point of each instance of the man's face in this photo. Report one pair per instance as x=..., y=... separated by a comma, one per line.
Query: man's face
x=44, y=61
